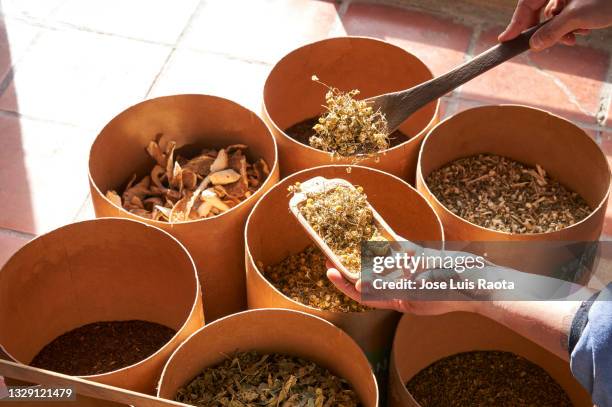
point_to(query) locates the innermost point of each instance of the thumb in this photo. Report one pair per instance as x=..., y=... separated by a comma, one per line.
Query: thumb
x=553, y=31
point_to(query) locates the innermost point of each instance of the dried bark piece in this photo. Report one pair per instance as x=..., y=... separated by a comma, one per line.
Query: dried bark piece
x=221, y=162
x=224, y=177
x=140, y=190
x=201, y=165
x=156, y=153
x=211, y=197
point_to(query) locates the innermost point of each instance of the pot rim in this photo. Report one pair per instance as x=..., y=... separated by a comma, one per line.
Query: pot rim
x=447, y=212
x=159, y=223
x=412, y=139
x=264, y=311
x=251, y=261
x=194, y=305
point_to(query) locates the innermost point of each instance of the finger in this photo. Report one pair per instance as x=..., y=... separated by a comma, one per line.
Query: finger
x=568, y=39
x=343, y=284
x=526, y=15
x=553, y=31
x=582, y=31
x=553, y=8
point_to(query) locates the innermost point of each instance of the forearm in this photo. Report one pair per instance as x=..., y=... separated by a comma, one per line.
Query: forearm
x=546, y=323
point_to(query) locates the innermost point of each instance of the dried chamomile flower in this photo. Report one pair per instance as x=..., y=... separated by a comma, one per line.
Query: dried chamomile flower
x=501, y=194
x=179, y=189
x=303, y=278
x=343, y=218
x=349, y=127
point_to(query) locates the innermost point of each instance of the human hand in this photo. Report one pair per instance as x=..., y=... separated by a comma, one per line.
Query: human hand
x=418, y=307
x=569, y=18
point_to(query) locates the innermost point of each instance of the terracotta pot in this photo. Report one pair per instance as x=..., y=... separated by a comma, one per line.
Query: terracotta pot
x=530, y=136
x=422, y=340
x=370, y=65
x=216, y=244
x=272, y=233
x=99, y=270
x=273, y=331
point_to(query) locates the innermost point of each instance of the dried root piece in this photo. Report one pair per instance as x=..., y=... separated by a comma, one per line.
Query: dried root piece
x=501, y=194
x=349, y=127
x=178, y=189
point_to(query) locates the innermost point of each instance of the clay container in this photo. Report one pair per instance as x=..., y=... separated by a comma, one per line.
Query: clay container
x=370, y=65
x=423, y=340
x=273, y=233
x=99, y=270
x=531, y=136
x=216, y=244
x=271, y=331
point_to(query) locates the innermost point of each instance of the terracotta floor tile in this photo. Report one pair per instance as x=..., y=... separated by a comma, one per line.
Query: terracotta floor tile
x=259, y=30
x=43, y=175
x=82, y=78
x=195, y=72
x=440, y=43
x=15, y=38
x=565, y=80
x=9, y=244
x=159, y=21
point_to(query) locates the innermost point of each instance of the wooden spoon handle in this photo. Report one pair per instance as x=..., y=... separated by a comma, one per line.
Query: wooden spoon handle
x=84, y=387
x=411, y=100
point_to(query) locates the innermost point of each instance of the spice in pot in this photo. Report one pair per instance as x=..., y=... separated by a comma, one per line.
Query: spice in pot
x=505, y=195
x=349, y=127
x=302, y=277
x=102, y=347
x=179, y=189
x=303, y=131
x=486, y=378
x=343, y=218
x=252, y=379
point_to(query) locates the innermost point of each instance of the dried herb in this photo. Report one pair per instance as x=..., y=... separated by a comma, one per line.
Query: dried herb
x=180, y=189
x=499, y=193
x=349, y=127
x=303, y=131
x=251, y=379
x=343, y=218
x=302, y=277
x=486, y=378
x=102, y=347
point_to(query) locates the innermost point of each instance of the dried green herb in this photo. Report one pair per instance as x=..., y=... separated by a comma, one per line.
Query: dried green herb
x=349, y=127
x=343, y=218
x=102, y=347
x=499, y=193
x=486, y=378
x=251, y=379
x=302, y=277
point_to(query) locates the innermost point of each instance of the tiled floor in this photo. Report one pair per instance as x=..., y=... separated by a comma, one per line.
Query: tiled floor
x=68, y=66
